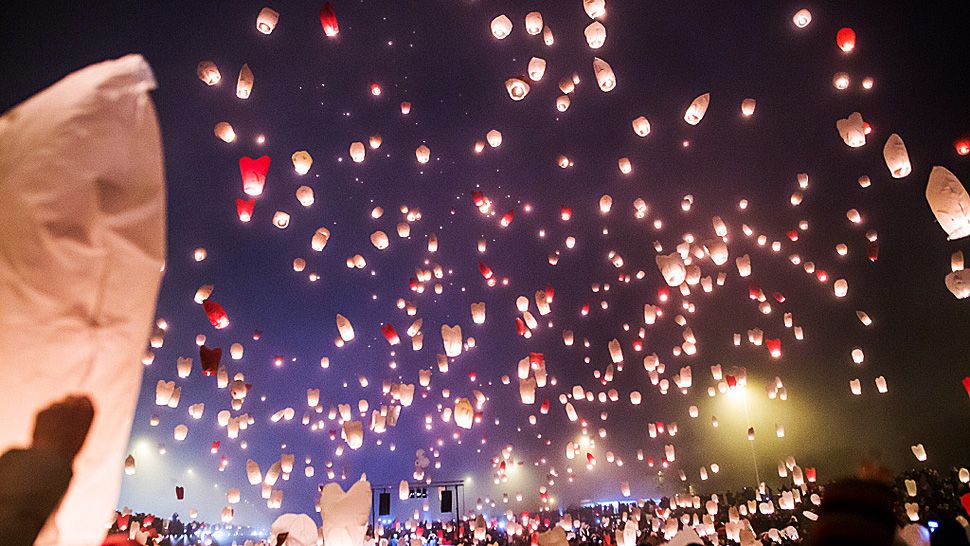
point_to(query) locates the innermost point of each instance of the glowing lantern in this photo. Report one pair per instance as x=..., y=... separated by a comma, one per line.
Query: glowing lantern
x=672, y=268
x=594, y=8
x=962, y=146
x=958, y=283
x=224, y=132
x=641, y=126
x=747, y=107
x=375, y=89
x=698, y=107
x=390, y=334
x=464, y=413
x=236, y=351
x=244, y=85
x=304, y=194
x=423, y=154
x=353, y=433
x=897, y=159
x=624, y=165
x=216, y=314
x=533, y=23
x=537, y=68
x=208, y=72
x=527, y=390
x=328, y=20
x=841, y=288
x=478, y=313
x=606, y=203
x=129, y=465
x=405, y=108
x=744, y=265
x=301, y=162
x=451, y=339
x=517, y=88
x=802, y=18
x=345, y=329
x=852, y=130
x=281, y=219
x=881, y=385
x=501, y=27
x=181, y=432
x=253, y=172
x=774, y=347
x=244, y=209
x=547, y=36
x=494, y=138
x=840, y=80
x=319, y=240
x=845, y=39
x=562, y=103
x=858, y=356
x=266, y=20
x=595, y=35
x=357, y=151
x=956, y=261
x=920, y=452
x=605, y=77
x=379, y=240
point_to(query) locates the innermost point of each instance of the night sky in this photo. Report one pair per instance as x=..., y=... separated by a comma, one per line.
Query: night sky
x=313, y=93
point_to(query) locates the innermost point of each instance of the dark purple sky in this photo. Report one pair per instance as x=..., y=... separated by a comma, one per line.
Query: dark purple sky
x=312, y=93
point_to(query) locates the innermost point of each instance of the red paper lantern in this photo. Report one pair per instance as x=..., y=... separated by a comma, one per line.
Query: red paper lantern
x=872, y=250
x=390, y=334
x=210, y=360
x=216, y=314
x=566, y=213
x=962, y=146
x=328, y=20
x=507, y=218
x=485, y=270
x=253, y=172
x=179, y=492
x=774, y=347
x=845, y=39
x=244, y=208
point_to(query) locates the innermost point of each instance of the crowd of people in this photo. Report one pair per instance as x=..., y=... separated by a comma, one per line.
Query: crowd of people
x=915, y=507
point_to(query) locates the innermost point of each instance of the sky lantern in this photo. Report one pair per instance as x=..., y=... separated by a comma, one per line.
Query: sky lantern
x=962, y=146
x=956, y=261
x=747, y=107
x=181, y=432
x=774, y=347
x=379, y=240
x=547, y=37
x=624, y=165
x=304, y=194
x=845, y=39
x=896, y=156
x=353, y=433
x=672, y=268
x=841, y=288
x=266, y=20
x=802, y=18
x=517, y=88
x=501, y=27
x=537, y=68
x=605, y=77
x=594, y=8
x=533, y=23
x=301, y=162
x=253, y=172
x=224, y=132
x=464, y=413
x=281, y=219
x=328, y=20
x=209, y=359
x=320, y=238
x=562, y=103
x=606, y=203
x=641, y=126
x=478, y=312
x=216, y=314
x=423, y=154
x=494, y=138
x=344, y=328
x=390, y=334
x=852, y=130
x=698, y=107
x=236, y=351
x=950, y=203
x=405, y=108
x=958, y=283
x=744, y=265
x=451, y=339
x=208, y=72
x=595, y=34
x=244, y=85
x=357, y=151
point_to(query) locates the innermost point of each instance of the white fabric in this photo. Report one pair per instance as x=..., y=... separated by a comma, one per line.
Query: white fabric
x=301, y=529
x=81, y=250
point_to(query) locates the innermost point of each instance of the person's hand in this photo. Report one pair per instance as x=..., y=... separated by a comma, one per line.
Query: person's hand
x=63, y=426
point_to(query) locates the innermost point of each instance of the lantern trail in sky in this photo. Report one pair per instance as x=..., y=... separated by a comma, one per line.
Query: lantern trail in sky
x=565, y=251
